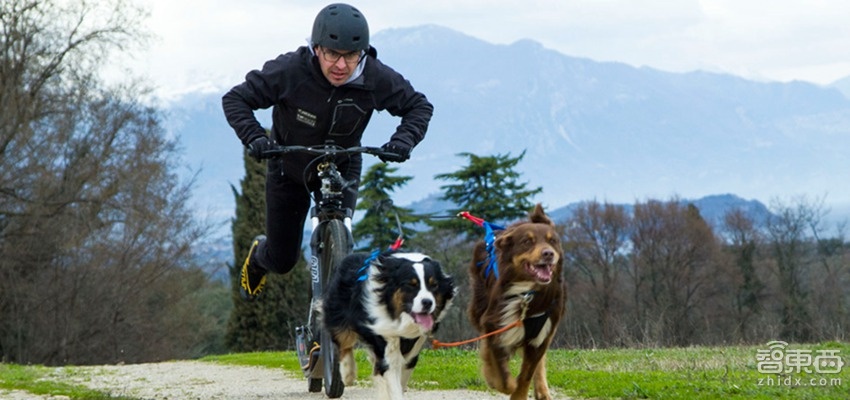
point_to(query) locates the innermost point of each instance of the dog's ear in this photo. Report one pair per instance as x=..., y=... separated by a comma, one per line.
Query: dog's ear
x=438, y=270
x=387, y=267
x=445, y=282
x=505, y=240
x=538, y=216
x=384, y=260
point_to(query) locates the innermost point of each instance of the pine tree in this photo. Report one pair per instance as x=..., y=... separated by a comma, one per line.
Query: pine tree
x=379, y=228
x=269, y=322
x=487, y=188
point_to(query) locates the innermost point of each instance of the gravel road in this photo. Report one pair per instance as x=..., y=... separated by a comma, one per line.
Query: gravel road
x=195, y=380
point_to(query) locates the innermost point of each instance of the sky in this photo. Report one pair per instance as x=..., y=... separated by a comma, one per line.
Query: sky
x=211, y=44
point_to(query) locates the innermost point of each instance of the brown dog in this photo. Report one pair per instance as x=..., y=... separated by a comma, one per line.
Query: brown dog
x=527, y=287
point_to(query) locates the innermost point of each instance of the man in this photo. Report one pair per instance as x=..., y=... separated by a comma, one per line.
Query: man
x=324, y=91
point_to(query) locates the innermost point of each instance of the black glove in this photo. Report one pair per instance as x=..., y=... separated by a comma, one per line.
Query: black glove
x=395, y=152
x=258, y=146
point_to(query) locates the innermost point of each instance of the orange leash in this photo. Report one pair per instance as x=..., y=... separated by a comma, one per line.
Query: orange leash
x=526, y=300
x=436, y=344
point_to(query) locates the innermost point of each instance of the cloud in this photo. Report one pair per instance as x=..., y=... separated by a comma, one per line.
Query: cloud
x=219, y=41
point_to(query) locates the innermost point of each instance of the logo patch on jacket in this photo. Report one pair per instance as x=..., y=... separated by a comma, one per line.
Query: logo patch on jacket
x=306, y=117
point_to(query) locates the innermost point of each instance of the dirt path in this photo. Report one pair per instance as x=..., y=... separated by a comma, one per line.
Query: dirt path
x=195, y=380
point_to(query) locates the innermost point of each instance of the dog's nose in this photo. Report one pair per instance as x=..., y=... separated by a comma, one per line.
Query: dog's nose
x=548, y=253
x=426, y=304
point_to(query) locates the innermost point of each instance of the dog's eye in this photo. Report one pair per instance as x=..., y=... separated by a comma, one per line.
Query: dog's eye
x=432, y=284
x=414, y=283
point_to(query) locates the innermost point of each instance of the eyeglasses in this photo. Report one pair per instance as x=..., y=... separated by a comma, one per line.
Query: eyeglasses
x=332, y=56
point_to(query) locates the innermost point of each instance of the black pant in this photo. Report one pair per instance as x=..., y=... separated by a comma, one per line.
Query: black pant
x=287, y=207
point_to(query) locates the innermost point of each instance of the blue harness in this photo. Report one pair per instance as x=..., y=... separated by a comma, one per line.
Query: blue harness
x=490, y=246
x=363, y=272
x=489, y=241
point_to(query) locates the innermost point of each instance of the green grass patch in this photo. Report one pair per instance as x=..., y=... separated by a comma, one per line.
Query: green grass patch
x=36, y=380
x=286, y=360
x=670, y=373
x=688, y=373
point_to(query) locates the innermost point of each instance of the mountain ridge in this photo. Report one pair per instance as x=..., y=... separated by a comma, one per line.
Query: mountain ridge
x=591, y=130
x=579, y=110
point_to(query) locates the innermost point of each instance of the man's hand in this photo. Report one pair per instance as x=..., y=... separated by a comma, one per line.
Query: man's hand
x=396, y=152
x=258, y=146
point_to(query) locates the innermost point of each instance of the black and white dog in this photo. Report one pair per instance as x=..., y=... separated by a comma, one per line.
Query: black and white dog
x=390, y=303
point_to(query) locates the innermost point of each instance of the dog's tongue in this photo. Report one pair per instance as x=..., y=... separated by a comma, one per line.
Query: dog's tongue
x=426, y=321
x=543, y=273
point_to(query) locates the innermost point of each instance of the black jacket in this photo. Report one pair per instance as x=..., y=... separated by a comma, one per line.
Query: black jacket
x=308, y=110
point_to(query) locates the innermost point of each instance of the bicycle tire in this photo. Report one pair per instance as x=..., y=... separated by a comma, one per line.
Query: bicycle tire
x=336, y=245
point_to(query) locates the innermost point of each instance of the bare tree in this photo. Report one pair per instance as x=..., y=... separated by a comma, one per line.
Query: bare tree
x=596, y=246
x=674, y=254
x=744, y=240
x=95, y=231
x=811, y=270
x=787, y=229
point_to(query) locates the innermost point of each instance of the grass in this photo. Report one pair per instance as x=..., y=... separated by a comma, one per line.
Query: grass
x=35, y=379
x=669, y=373
x=686, y=373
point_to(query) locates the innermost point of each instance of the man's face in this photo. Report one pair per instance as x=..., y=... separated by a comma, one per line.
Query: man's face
x=337, y=65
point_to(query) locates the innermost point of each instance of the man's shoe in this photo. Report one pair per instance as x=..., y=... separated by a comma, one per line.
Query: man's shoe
x=253, y=276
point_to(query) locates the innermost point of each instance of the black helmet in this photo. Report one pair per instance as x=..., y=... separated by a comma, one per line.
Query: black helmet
x=341, y=27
